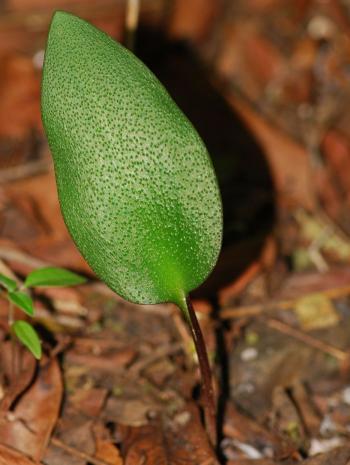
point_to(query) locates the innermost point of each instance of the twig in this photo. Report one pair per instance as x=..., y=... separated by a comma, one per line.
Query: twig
x=160, y=352
x=77, y=453
x=315, y=247
x=21, y=257
x=23, y=171
x=131, y=22
x=282, y=327
x=246, y=311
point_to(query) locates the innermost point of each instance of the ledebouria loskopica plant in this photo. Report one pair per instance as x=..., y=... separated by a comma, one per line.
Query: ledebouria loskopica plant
x=136, y=185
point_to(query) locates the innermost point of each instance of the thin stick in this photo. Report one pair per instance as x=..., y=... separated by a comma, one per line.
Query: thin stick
x=77, y=453
x=131, y=22
x=246, y=311
x=158, y=353
x=282, y=327
x=207, y=384
x=23, y=171
x=9, y=254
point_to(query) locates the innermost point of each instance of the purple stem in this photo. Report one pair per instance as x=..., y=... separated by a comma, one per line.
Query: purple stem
x=207, y=383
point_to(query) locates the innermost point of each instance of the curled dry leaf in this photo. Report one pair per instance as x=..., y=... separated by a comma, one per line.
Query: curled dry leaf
x=24, y=378
x=36, y=413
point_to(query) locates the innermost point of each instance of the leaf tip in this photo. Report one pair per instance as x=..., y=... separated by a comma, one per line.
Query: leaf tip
x=60, y=16
x=61, y=20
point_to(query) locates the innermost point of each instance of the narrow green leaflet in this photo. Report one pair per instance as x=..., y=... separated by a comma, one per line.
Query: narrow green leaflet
x=28, y=336
x=51, y=277
x=136, y=184
x=8, y=283
x=22, y=301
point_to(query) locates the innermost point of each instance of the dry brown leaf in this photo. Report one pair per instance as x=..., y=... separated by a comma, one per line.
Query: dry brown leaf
x=19, y=94
x=108, y=452
x=340, y=456
x=118, y=359
x=303, y=283
x=89, y=401
x=288, y=161
x=247, y=430
x=23, y=378
x=11, y=457
x=192, y=20
x=252, y=462
x=131, y=412
x=29, y=427
x=318, y=230
x=155, y=444
x=36, y=223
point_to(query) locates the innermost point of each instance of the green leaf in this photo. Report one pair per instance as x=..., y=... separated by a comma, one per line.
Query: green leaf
x=28, y=336
x=50, y=277
x=136, y=185
x=22, y=301
x=8, y=283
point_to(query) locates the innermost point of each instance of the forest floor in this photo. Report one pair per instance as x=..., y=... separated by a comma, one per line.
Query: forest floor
x=119, y=383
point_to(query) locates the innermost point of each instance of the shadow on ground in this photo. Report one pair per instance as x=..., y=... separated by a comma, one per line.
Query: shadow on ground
x=244, y=178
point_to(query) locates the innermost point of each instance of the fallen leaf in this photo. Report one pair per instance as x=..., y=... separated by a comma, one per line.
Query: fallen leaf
x=285, y=418
x=339, y=456
x=89, y=401
x=321, y=446
x=24, y=377
x=114, y=361
x=299, y=284
x=108, y=452
x=252, y=462
x=19, y=93
x=30, y=425
x=316, y=230
x=12, y=457
x=336, y=147
x=41, y=225
x=247, y=430
x=315, y=311
x=156, y=444
x=76, y=432
x=131, y=412
x=192, y=20
x=288, y=161
x=310, y=415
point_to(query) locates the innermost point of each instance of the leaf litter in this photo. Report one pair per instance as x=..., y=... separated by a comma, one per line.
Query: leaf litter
x=120, y=384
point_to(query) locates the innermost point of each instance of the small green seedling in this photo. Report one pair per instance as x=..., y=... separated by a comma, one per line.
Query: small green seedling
x=19, y=297
x=136, y=185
